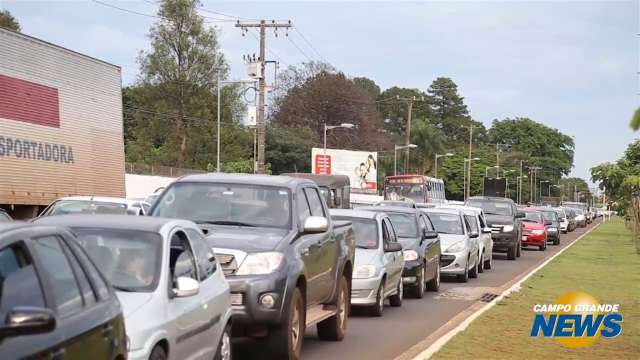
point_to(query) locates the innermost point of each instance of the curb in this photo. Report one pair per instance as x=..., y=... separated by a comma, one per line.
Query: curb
x=441, y=336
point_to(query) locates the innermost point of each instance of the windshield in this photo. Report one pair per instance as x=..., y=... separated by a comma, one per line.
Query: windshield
x=365, y=231
x=446, y=223
x=404, y=224
x=129, y=259
x=414, y=192
x=492, y=207
x=550, y=215
x=62, y=207
x=532, y=216
x=226, y=204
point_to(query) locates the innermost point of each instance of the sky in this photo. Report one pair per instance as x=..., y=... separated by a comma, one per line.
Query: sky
x=571, y=65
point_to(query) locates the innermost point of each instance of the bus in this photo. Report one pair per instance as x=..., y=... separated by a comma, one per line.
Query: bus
x=419, y=188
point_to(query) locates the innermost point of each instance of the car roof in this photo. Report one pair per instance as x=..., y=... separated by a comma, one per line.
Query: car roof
x=362, y=214
x=322, y=180
x=492, y=198
x=390, y=209
x=530, y=209
x=463, y=208
x=128, y=222
x=94, y=198
x=249, y=179
x=443, y=211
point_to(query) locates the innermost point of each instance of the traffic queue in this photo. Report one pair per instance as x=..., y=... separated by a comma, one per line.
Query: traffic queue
x=223, y=256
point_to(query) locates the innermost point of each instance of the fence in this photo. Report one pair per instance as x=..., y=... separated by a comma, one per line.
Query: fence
x=159, y=170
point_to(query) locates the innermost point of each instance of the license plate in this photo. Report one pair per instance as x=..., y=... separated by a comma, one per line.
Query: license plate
x=524, y=238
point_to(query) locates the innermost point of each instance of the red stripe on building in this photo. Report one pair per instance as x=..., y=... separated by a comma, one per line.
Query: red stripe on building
x=29, y=102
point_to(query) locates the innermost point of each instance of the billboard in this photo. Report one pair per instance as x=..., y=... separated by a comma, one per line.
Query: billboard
x=360, y=166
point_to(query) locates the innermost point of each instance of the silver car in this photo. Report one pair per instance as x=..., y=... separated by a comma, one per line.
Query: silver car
x=379, y=260
x=460, y=244
x=174, y=296
x=475, y=217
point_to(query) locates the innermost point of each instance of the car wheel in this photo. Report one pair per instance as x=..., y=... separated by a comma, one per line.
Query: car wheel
x=473, y=273
x=286, y=341
x=418, y=288
x=488, y=263
x=224, y=347
x=434, y=284
x=519, y=249
x=556, y=241
x=396, y=299
x=377, y=309
x=481, y=263
x=511, y=252
x=335, y=327
x=464, y=277
x=158, y=353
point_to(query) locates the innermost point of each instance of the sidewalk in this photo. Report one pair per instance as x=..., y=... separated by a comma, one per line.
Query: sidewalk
x=603, y=264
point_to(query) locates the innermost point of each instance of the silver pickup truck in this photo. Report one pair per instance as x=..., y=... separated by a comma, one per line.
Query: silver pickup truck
x=289, y=265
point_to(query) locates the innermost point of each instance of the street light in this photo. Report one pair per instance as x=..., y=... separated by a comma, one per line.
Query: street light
x=467, y=185
x=519, y=185
x=486, y=170
x=331, y=127
x=395, y=154
x=436, y=162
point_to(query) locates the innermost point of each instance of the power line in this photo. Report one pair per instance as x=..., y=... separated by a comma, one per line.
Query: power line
x=296, y=29
x=209, y=19
x=271, y=52
x=299, y=49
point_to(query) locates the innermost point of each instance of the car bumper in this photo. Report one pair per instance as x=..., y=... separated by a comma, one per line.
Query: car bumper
x=534, y=240
x=140, y=354
x=411, y=271
x=364, y=291
x=246, y=292
x=504, y=241
x=454, y=263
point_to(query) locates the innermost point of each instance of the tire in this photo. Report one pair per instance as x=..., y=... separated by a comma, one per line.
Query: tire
x=463, y=278
x=488, y=263
x=377, y=309
x=224, y=347
x=158, y=353
x=481, y=263
x=335, y=327
x=473, y=273
x=417, y=290
x=286, y=341
x=519, y=249
x=511, y=252
x=434, y=284
x=396, y=299
x=556, y=241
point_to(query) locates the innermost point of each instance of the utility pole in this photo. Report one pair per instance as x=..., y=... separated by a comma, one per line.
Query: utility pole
x=519, y=196
x=467, y=190
x=407, y=132
x=260, y=121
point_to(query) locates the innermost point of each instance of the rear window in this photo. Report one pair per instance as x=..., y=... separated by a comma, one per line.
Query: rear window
x=492, y=207
x=447, y=223
x=365, y=231
x=405, y=224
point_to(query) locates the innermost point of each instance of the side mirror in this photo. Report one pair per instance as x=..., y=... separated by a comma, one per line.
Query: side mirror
x=393, y=247
x=473, y=234
x=28, y=320
x=316, y=224
x=185, y=287
x=562, y=219
x=429, y=234
x=548, y=222
x=486, y=230
x=520, y=215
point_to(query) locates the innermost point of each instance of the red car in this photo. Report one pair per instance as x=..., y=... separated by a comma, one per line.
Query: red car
x=535, y=231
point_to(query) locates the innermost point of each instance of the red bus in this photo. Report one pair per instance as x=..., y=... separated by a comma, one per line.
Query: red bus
x=419, y=188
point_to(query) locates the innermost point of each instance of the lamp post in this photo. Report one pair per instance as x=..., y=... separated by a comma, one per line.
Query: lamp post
x=486, y=170
x=467, y=184
x=436, y=162
x=331, y=127
x=395, y=154
x=506, y=179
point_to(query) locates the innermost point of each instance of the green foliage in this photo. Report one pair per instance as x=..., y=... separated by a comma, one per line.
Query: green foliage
x=621, y=180
x=394, y=110
x=430, y=141
x=635, y=121
x=369, y=85
x=8, y=21
x=574, y=189
x=289, y=149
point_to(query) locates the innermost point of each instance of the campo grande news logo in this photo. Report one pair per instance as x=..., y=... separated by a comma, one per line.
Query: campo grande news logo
x=576, y=320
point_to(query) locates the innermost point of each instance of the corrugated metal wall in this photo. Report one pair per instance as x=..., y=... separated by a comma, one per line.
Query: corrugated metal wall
x=89, y=104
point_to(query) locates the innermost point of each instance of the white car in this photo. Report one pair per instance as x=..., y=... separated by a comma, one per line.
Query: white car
x=459, y=243
x=87, y=205
x=475, y=217
x=564, y=221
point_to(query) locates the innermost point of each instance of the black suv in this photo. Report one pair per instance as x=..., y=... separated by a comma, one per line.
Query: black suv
x=502, y=217
x=54, y=304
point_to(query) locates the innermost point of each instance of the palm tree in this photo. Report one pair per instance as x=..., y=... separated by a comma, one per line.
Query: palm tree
x=430, y=141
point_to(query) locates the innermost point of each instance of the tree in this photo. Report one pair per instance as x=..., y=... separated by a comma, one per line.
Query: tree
x=448, y=110
x=181, y=69
x=331, y=99
x=289, y=149
x=430, y=141
x=574, y=188
x=635, y=121
x=369, y=85
x=8, y=21
x=394, y=110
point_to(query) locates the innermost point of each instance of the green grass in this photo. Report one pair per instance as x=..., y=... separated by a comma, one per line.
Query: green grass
x=604, y=264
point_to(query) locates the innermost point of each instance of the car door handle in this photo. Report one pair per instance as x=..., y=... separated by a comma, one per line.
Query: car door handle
x=58, y=354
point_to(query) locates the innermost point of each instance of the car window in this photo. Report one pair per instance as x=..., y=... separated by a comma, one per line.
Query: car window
x=481, y=220
x=19, y=284
x=472, y=223
x=182, y=261
x=85, y=287
x=422, y=222
x=404, y=224
x=204, y=254
x=447, y=223
x=66, y=295
x=393, y=237
x=100, y=286
x=303, y=206
x=315, y=204
x=386, y=237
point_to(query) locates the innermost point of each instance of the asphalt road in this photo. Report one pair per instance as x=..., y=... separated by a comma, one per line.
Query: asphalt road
x=401, y=328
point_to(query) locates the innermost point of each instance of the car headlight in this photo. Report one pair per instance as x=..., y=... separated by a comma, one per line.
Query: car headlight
x=410, y=255
x=507, y=228
x=457, y=247
x=364, y=272
x=260, y=263
x=537, y=232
